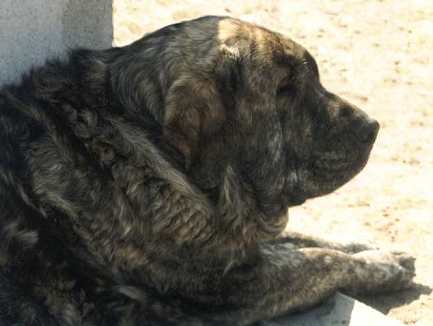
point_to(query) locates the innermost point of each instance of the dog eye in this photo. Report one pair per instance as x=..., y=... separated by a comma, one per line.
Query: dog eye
x=286, y=90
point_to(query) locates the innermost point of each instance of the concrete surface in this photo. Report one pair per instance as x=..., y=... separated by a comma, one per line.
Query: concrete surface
x=340, y=310
x=33, y=30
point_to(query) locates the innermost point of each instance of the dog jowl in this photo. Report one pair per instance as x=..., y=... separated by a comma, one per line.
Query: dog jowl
x=149, y=184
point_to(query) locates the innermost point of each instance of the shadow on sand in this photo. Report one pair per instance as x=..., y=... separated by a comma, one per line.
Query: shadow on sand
x=344, y=311
x=385, y=302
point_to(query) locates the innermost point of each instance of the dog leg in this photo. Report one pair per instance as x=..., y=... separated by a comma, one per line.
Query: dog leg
x=281, y=280
x=299, y=240
x=291, y=280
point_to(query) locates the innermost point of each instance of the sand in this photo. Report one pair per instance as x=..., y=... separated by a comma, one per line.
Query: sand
x=378, y=55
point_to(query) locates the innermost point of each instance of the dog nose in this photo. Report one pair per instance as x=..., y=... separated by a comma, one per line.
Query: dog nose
x=367, y=130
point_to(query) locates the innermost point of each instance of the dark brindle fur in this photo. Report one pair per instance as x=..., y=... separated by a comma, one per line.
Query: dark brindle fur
x=148, y=184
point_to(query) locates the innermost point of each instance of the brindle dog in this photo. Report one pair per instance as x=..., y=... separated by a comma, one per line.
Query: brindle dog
x=149, y=184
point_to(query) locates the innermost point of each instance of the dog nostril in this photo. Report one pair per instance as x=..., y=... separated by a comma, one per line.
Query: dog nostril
x=368, y=131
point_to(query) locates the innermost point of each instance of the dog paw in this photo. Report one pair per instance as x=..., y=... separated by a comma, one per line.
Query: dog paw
x=381, y=271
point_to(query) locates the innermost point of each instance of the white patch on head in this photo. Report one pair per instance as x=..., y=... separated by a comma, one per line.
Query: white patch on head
x=328, y=260
x=231, y=51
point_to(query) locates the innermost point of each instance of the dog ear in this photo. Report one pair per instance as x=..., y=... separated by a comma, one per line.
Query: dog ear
x=200, y=118
x=194, y=115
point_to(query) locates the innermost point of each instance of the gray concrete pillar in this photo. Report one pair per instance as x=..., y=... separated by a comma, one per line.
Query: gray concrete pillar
x=33, y=30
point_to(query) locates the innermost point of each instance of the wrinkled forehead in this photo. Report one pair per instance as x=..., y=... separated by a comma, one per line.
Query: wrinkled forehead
x=202, y=44
x=234, y=35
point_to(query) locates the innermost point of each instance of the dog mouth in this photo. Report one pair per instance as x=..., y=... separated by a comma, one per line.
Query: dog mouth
x=329, y=168
x=349, y=160
x=325, y=172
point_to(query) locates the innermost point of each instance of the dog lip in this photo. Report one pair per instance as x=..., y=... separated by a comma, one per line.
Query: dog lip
x=293, y=194
x=296, y=201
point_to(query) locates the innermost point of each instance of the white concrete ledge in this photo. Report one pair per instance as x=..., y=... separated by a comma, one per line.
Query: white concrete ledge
x=340, y=310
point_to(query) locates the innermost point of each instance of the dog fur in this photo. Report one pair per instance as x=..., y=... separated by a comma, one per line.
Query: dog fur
x=149, y=184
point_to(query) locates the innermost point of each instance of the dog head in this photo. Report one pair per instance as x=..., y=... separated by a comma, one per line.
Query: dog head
x=232, y=95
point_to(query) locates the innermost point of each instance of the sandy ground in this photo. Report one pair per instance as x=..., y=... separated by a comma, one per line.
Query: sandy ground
x=379, y=55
